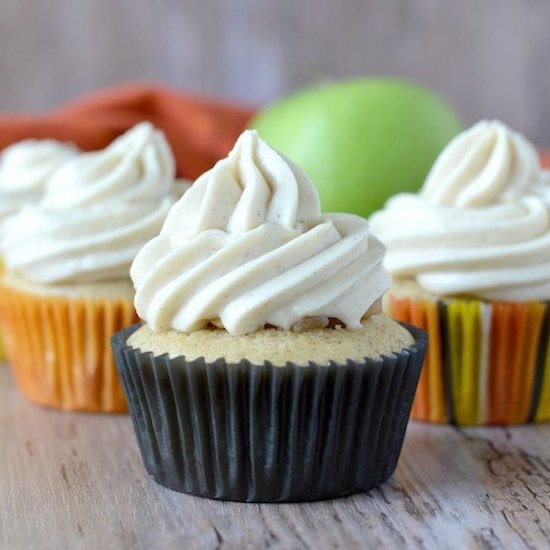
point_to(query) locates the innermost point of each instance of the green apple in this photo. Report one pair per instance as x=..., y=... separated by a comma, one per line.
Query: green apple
x=362, y=140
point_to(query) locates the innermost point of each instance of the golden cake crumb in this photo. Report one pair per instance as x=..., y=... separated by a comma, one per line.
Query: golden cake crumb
x=378, y=336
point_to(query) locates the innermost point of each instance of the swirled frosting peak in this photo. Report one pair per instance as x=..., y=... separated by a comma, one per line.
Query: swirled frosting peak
x=25, y=167
x=486, y=163
x=247, y=246
x=138, y=165
x=97, y=212
x=254, y=185
x=481, y=224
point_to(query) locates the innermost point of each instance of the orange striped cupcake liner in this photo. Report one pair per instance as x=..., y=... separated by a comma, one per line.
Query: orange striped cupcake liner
x=487, y=362
x=59, y=349
x=2, y=348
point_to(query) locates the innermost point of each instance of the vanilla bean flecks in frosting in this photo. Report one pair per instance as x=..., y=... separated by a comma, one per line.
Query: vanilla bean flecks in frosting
x=25, y=167
x=97, y=212
x=247, y=246
x=480, y=226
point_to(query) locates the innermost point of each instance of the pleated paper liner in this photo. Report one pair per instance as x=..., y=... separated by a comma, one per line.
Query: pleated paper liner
x=261, y=433
x=59, y=349
x=487, y=363
x=2, y=348
x=3, y=355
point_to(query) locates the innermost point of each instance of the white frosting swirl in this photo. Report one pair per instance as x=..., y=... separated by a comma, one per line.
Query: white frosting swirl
x=487, y=163
x=25, y=167
x=97, y=212
x=247, y=246
x=479, y=226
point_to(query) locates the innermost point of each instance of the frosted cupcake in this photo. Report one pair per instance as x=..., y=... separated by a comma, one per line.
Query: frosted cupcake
x=66, y=287
x=470, y=257
x=264, y=371
x=24, y=170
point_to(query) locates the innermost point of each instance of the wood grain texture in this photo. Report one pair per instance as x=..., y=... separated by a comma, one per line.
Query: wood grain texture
x=77, y=481
x=490, y=57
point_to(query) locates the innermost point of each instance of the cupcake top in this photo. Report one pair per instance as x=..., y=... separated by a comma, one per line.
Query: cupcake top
x=480, y=225
x=97, y=211
x=379, y=336
x=25, y=167
x=248, y=247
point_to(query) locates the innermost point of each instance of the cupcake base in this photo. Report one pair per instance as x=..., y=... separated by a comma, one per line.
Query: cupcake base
x=3, y=355
x=488, y=363
x=58, y=348
x=261, y=433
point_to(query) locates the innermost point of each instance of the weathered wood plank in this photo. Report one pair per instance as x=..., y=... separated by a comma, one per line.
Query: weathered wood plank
x=76, y=481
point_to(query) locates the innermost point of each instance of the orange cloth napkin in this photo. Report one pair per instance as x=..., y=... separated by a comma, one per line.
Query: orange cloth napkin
x=200, y=131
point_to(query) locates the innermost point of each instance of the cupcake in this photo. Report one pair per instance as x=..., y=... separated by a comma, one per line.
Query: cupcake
x=65, y=289
x=264, y=371
x=24, y=169
x=470, y=257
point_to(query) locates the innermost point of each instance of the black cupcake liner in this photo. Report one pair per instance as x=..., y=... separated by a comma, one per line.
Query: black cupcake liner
x=262, y=433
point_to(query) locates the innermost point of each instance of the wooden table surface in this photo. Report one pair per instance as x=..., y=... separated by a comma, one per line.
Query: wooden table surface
x=77, y=481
